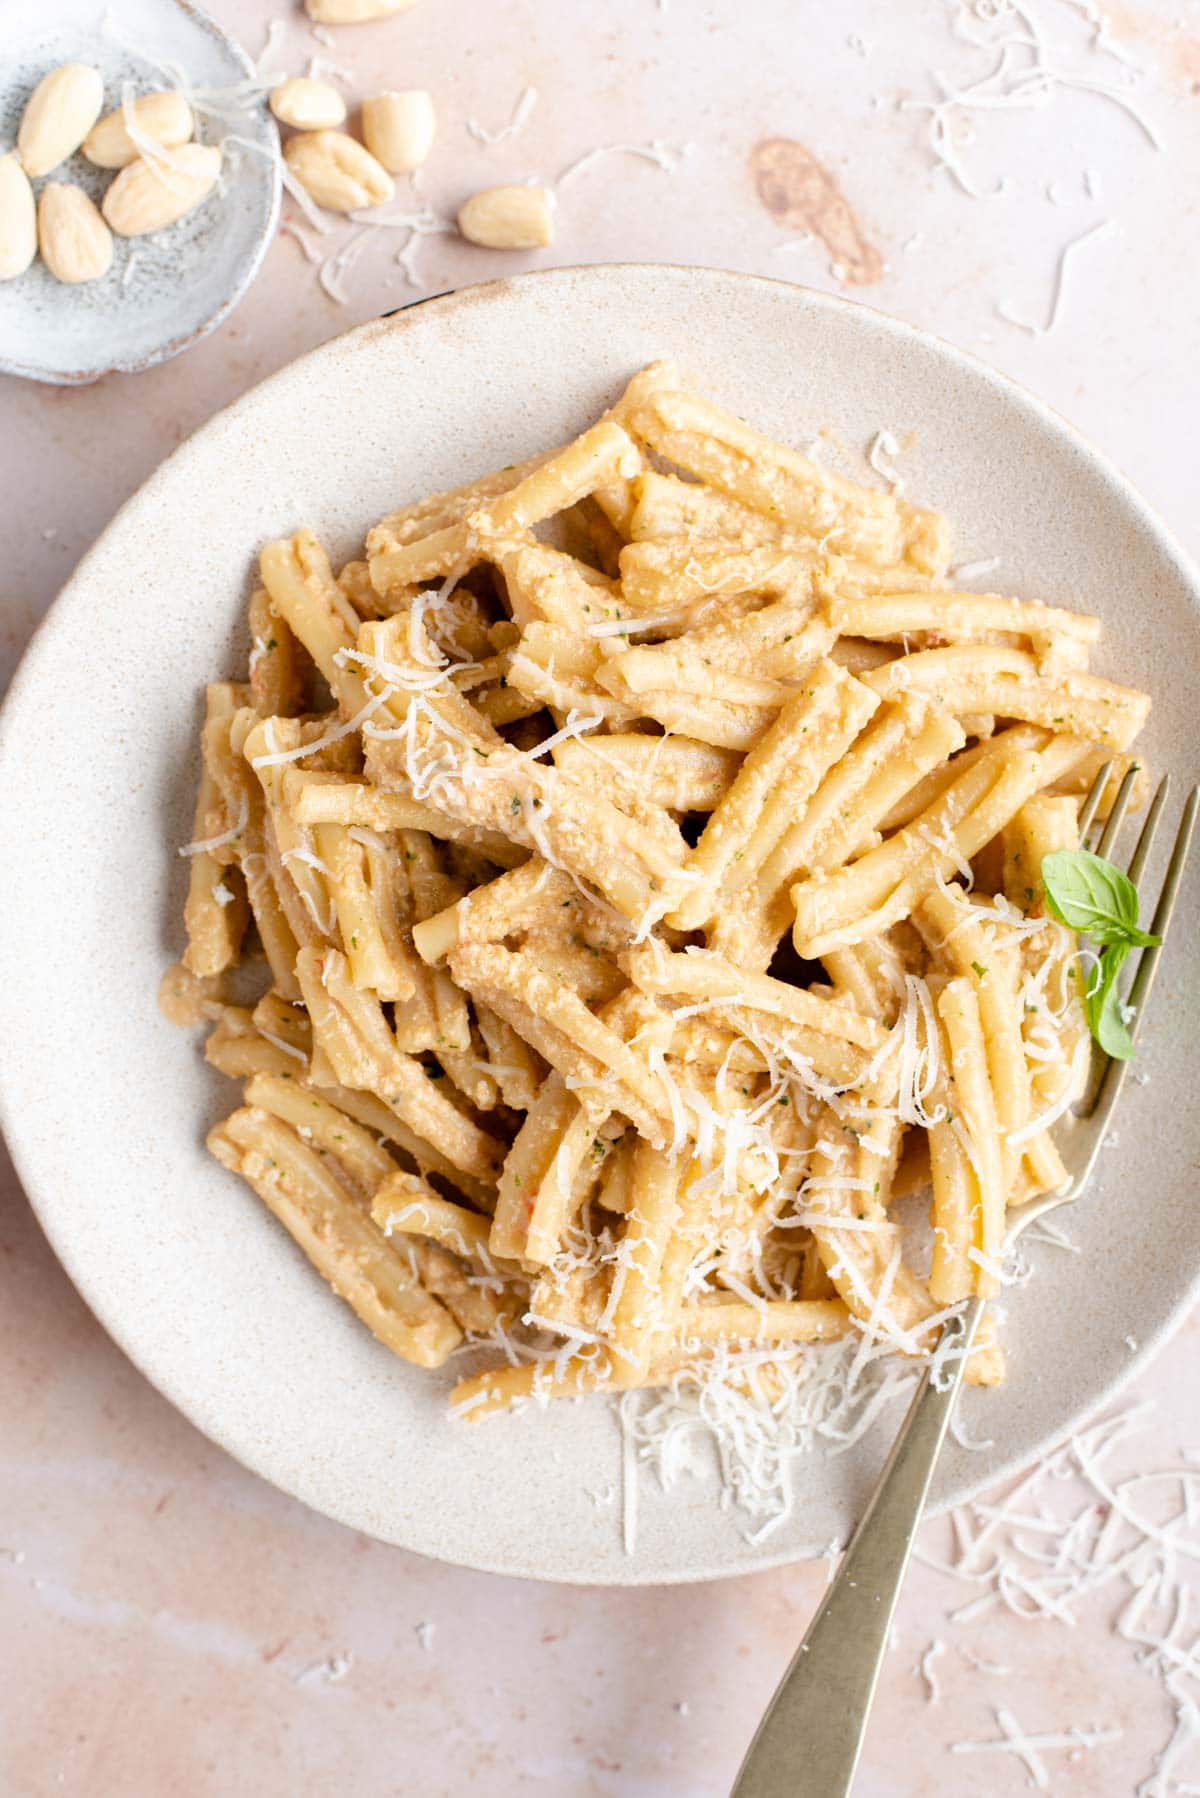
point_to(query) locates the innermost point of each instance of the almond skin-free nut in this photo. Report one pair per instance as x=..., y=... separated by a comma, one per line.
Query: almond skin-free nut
x=509, y=218
x=18, y=218
x=148, y=195
x=75, y=242
x=337, y=171
x=165, y=118
x=307, y=105
x=58, y=115
x=353, y=12
x=398, y=129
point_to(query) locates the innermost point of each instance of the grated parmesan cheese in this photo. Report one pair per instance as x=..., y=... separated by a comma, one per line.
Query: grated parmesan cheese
x=973, y=571
x=758, y=1410
x=276, y=29
x=321, y=68
x=333, y=267
x=333, y=735
x=1029, y=1749
x=1073, y=1529
x=203, y=845
x=881, y=455
x=925, y=1668
x=331, y=1671
x=521, y=114
x=1017, y=68
x=1105, y=228
x=662, y=154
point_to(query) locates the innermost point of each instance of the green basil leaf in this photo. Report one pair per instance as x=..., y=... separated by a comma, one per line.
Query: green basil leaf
x=1141, y=939
x=1104, y=1017
x=1089, y=894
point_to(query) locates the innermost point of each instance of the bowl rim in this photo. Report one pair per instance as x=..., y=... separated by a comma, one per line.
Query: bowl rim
x=247, y=270
x=58, y=620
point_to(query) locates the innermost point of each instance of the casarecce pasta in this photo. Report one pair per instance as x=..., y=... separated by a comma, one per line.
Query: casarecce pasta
x=640, y=850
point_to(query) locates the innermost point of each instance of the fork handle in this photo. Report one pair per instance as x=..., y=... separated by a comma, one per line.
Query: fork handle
x=808, y=1743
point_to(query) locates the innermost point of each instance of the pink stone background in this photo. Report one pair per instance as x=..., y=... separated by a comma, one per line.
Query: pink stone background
x=170, y=1624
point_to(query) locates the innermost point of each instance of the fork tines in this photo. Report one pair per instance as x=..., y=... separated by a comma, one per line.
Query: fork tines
x=1110, y=1073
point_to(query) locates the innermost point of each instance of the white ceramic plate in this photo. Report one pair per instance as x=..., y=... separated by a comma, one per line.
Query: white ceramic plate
x=170, y=288
x=105, y=1105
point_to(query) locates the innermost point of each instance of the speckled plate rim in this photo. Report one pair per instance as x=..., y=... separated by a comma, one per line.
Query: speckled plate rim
x=55, y=631
x=247, y=269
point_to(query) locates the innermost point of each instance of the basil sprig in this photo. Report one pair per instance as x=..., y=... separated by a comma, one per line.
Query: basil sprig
x=1090, y=895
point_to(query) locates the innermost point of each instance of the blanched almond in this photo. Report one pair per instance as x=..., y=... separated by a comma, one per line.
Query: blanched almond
x=148, y=195
x=308, y=105
x=75, y=242
x=337, y=171
x=164, y=118
x=18, y=219
x=353, y=12
x=509, y=218
x=398, y=128
x=60, y=112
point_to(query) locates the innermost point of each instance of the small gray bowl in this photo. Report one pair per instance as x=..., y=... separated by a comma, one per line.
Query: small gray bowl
x=166, y=290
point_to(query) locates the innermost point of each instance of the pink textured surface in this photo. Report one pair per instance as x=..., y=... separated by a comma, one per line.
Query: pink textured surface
x=176, y=1623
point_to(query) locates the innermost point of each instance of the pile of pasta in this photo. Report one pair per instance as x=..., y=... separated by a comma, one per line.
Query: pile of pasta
x=641, y=849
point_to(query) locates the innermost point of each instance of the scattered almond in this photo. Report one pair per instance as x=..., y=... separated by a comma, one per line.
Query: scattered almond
x=18, y=219
x=60, y=112
x=509, y=218
x=148, y=195
x=308, y=105
x=337, y=172
x=353, y=12
x=75, y=242
x=398, y=128
x=164, y=118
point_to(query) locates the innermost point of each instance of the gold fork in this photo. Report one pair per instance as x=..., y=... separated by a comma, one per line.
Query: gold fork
x=808, y=1743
